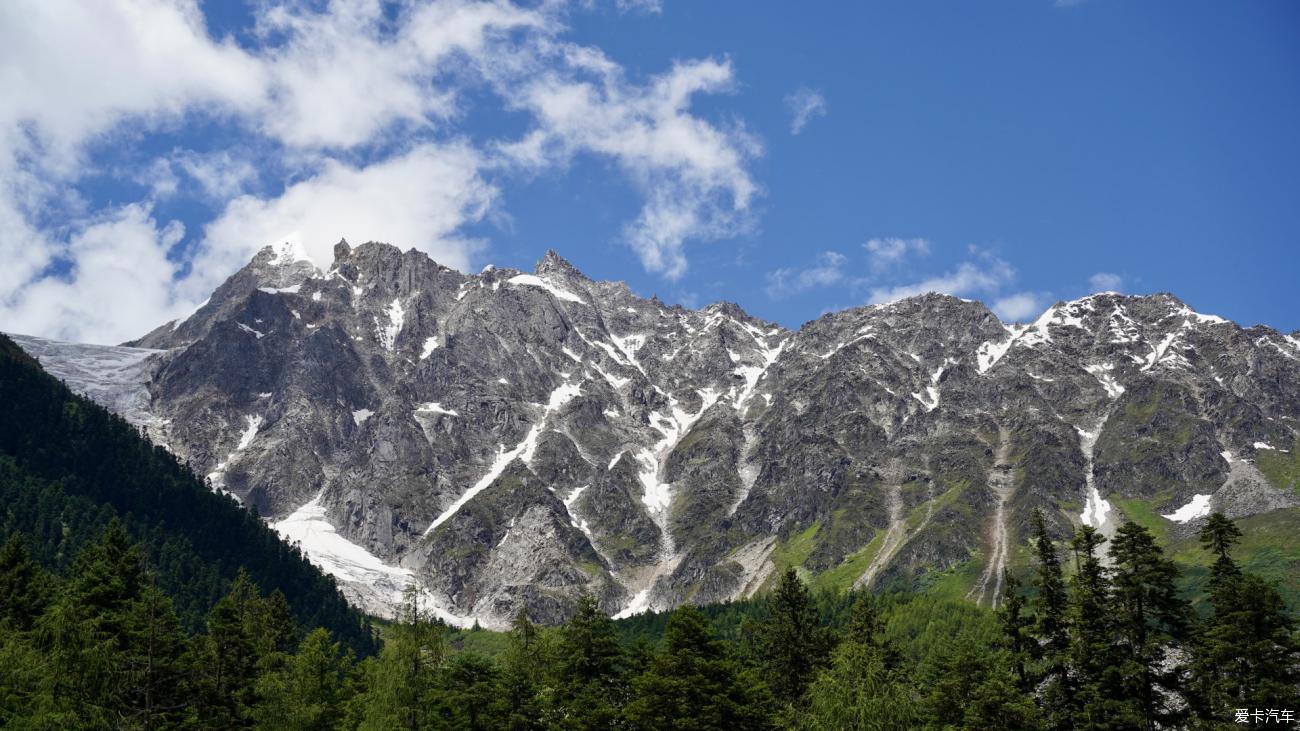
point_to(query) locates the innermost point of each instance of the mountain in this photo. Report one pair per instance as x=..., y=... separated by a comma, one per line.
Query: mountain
x=514, y=439
x=69, y=467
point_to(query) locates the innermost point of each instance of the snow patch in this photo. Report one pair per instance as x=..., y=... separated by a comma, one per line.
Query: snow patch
x=435, y=408
x=524, y=450
x=1199, y=507
x=1262, y=445
x=430, y=345
x=396, y=315
x=1103, y=374
x=360, y=415
x=250, y=330
x=529, y=280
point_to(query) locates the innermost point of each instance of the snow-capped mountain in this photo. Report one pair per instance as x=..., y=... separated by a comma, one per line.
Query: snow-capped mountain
x=513, y=438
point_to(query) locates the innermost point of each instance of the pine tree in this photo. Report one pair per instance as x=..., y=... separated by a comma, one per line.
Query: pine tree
x=1247, y=649
x=792, y=644
x=589, y=679
x=1095, y=666
x=522, y=668
x=1051, y=627
x=1150, y=616
x=24, y=586
x=1016, y=626
x=310, y=692
x=693, y=684
x=867, y=686
x=151, y=666
x=227, y=659
x=406, y=673
x=968, y=686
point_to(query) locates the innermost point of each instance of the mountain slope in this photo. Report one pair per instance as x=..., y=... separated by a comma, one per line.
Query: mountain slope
x=67, y=466
x=514, y=438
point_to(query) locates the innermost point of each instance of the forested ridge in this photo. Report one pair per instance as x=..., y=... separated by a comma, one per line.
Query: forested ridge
x=69, y=466
x=132, y=597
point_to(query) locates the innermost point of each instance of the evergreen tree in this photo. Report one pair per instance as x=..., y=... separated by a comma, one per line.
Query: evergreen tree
x=522, y=668
x=867, y=686
x=968, y=686
x=589, y=679
x=1247, y=648
x=24, y=587
x=466, y=695
x=406, y=673
x=227, y=658
x=1051, y=627
x=151, y=666
x=792, y=645
x=1095, y=666
x=1150, y=616
x=1016, y=629
x=693, y=684
x=310, y=692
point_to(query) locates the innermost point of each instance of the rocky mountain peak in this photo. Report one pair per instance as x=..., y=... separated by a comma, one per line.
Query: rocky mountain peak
x=509, y=439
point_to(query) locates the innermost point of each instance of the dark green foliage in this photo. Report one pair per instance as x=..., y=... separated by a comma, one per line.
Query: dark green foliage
x=1247, y=648
x=789, y=640
x=68, y=467
x=589, y=683
x=1051, y=626
x=1149, y=616
x=693, y=684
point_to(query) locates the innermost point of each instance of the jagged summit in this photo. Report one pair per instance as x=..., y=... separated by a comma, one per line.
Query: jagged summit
x=509, y=439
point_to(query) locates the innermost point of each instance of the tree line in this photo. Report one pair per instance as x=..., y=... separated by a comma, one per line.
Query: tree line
x=1081, y=644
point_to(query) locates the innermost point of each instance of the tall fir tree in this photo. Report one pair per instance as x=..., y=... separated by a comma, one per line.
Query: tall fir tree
x=1247, y=648
x=24, y=586
x=792, y=645
x=310, y=691
x=589, y=683
x=1150, y=617
x=1052, y=629
x=406, y=672
x=1017, y=628
x=522, y=666
x=867, y=686
x=1095, y=666
x=694, y=684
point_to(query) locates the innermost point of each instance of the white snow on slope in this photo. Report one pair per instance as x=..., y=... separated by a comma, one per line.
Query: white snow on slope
x=1261, y=445
x=435, y=408
x=396, y=318
x=114, y=377
x=364, y=578
x=1102, y=373
x=524, y=450
x=360, y=415
x=529, y=280
x=674, y=426
x=281, y=290
x=253, y=423
x=930, y=399
x=430, y=345
x=250, y=330
x=1198, y=507
x=1096, y=509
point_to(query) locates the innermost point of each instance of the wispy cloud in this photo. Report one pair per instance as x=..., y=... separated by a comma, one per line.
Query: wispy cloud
x=804, y=104
x=887, y=253
x=79, y=74
x=1106, y=282
x=1020, y=306
x=828, y=270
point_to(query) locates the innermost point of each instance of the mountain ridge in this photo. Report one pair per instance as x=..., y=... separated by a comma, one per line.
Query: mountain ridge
x=514, y=439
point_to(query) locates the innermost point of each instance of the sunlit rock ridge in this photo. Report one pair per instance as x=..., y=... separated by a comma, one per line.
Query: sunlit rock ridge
x=512, y=438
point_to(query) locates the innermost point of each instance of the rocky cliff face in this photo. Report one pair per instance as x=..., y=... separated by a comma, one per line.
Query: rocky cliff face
x=514, y=439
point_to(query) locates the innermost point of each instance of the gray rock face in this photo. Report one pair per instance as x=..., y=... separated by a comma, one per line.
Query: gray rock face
x=514, y=439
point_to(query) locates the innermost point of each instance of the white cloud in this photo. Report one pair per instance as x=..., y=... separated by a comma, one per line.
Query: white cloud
x=327, y=88
x=1019, y=307
x=889, y=252
x=419, y=199
x=119, y=284
x=804, y=105
x=693, y=173
x=986, y=275
x=1106, y=282
x=787, y=281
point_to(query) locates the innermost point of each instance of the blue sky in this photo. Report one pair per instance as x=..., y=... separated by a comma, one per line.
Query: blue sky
x=792, y=158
